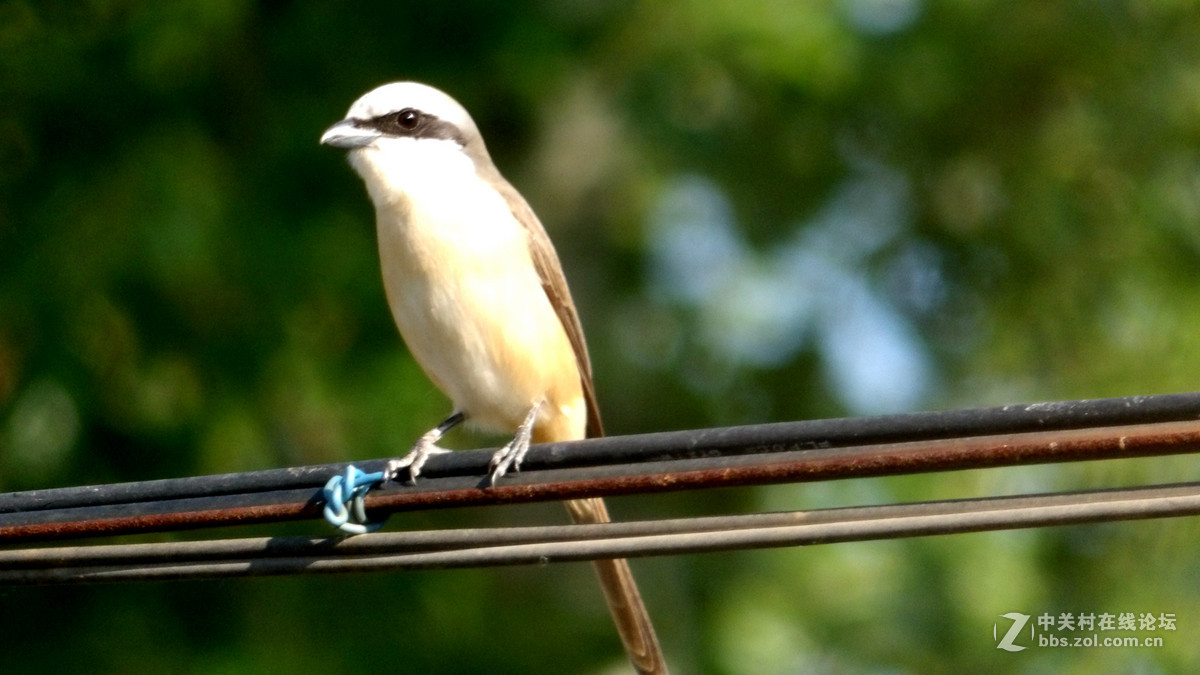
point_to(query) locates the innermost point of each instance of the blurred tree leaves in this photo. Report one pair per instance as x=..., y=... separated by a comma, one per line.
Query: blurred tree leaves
x=767, y=210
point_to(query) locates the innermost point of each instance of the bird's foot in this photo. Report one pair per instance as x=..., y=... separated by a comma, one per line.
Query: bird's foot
x=425, y=446
x=510, y=456
x=422, y=450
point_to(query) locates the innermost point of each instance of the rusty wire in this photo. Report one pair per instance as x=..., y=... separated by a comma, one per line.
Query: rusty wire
x=737, y=456
x=661, y=476
x=529, y=545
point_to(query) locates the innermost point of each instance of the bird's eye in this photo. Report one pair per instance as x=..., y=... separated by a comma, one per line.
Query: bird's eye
x=408, y=119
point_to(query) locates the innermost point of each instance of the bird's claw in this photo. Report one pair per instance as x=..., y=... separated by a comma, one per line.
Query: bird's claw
x=421, y=451
x=510, y=455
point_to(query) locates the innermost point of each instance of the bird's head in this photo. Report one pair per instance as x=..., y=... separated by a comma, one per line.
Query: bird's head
x=407, y=130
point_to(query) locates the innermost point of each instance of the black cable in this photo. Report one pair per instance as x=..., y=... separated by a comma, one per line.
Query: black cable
x=753, y=455
x=661, y=446
x=557, y=484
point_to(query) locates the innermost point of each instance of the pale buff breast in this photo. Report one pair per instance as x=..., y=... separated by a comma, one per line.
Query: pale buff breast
x=465, y=296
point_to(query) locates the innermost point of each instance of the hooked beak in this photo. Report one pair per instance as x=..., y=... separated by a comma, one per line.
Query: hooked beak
x=347, y=135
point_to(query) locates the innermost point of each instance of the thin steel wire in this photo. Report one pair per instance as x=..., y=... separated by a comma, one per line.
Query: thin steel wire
x=752, y=455
x=541, y=545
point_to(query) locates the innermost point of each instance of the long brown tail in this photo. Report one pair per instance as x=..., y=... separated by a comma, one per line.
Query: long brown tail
x=621, y=593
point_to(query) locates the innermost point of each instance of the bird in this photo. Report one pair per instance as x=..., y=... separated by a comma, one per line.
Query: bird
x=478, y=294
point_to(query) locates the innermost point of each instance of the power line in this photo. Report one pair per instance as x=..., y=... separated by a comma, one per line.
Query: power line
x=669, y=445
x=779, y=466
x=683, y=460
x=440, y=549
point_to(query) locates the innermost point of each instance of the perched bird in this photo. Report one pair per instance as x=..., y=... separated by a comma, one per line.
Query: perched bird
x=479, y=296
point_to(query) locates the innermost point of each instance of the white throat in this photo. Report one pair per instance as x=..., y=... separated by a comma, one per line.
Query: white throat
x=399, y=168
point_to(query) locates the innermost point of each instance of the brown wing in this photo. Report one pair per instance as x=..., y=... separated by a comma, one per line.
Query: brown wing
x=616, y=579
x=545, y=260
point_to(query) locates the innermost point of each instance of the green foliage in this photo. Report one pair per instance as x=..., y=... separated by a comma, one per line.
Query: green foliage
x=767, y=211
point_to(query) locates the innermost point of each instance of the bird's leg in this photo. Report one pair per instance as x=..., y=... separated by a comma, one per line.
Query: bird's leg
x=425, y=446
x=512, y=454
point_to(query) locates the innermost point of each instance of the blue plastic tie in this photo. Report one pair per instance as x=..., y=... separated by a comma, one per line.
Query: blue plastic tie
x=348, y=490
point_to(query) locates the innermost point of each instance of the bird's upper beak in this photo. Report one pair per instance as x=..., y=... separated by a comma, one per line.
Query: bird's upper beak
x=348, y=135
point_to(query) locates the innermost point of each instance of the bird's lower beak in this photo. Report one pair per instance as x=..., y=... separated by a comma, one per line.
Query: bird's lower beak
x=347, y=135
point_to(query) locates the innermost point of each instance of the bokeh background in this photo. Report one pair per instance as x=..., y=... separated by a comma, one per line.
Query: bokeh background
x=767, y=211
